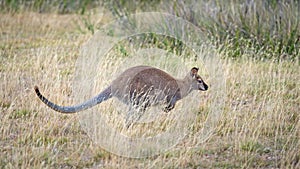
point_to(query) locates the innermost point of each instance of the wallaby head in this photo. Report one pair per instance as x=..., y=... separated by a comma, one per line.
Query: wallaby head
x=197, y=82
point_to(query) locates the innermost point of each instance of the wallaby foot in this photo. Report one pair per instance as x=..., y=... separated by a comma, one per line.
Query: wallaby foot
x=168, y=108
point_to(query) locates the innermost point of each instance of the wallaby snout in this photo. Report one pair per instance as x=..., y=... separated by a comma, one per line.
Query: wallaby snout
x=202, y=86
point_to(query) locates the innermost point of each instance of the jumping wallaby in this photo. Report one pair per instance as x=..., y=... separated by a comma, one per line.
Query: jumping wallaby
x=140, y=87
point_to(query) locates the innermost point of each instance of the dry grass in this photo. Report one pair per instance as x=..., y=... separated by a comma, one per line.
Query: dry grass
x=260, y=127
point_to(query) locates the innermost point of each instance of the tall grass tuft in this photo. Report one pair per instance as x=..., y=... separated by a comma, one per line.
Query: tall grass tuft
x=45, y=6
x=260, y=29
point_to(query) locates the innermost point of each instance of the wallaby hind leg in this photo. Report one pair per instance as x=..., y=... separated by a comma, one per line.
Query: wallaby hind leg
x=132, y=116
x=171, y=104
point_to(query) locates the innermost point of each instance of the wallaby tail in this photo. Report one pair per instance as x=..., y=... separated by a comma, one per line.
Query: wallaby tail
x=104, y=95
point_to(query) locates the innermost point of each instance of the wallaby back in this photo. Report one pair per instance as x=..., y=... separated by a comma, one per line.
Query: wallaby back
x=144, y=81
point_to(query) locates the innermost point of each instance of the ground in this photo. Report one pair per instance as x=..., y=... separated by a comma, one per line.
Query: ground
x=259, y=128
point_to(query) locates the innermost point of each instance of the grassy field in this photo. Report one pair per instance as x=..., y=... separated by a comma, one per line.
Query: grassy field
x=260, y=127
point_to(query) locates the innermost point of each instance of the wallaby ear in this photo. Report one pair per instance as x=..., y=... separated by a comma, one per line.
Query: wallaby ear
x=194, y=71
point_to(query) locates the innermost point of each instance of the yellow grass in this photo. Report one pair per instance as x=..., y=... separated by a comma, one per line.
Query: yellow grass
x=260, y=127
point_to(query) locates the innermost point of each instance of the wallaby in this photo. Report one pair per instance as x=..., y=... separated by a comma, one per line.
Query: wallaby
x=140, y=87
